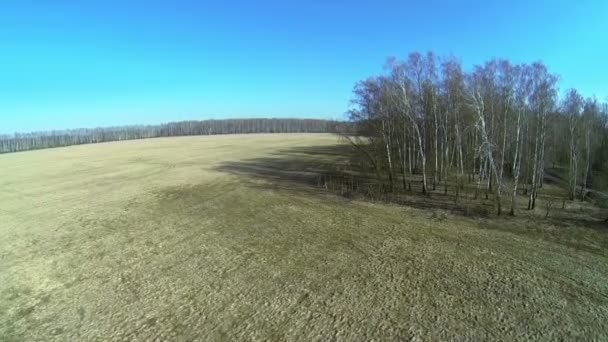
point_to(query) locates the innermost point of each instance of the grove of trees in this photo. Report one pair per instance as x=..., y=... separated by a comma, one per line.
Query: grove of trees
x=37, y=140
x=497, y=128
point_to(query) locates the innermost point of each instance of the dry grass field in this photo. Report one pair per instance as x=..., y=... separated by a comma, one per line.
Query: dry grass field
x=183, y=239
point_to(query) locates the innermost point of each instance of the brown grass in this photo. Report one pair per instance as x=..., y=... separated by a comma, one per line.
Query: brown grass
x=181, y=238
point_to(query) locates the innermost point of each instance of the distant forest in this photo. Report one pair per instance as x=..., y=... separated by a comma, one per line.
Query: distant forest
x=38, y=140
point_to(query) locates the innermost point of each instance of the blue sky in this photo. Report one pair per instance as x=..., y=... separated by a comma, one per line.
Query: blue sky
x=68, y=64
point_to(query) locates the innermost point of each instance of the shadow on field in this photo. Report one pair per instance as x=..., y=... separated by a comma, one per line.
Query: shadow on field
x=294, y=168
x=322, y=170
x=335, y=169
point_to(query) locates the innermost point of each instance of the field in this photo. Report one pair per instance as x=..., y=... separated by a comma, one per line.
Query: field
x=210, y=238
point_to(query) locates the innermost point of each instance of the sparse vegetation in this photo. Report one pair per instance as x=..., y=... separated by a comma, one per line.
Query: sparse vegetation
x=236, y=238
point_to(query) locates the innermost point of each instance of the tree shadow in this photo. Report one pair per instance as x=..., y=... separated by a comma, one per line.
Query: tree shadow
x=332, y=171
x=297, y=168
x=335, y=169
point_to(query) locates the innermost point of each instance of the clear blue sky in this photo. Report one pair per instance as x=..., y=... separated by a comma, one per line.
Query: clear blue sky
x=67, y=64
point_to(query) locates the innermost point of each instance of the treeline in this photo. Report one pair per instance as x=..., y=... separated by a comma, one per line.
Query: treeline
x=497, y=127
x=37, y=140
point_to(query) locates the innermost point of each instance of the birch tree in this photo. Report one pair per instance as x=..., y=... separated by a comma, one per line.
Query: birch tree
x=573, y=104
